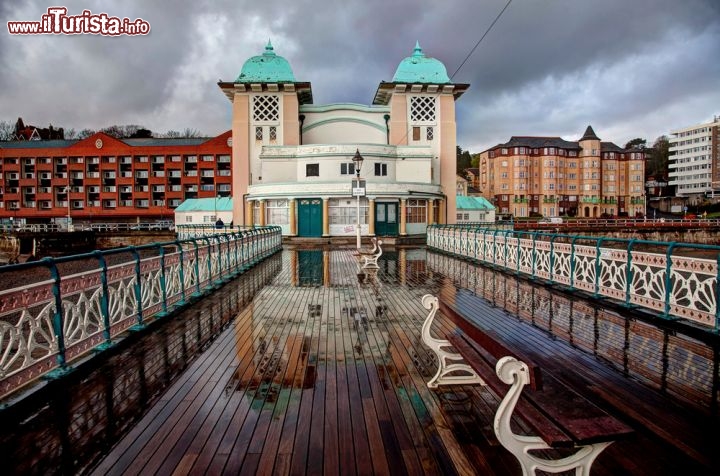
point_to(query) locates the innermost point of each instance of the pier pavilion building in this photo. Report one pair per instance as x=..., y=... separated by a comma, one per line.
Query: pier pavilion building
x=292, y=160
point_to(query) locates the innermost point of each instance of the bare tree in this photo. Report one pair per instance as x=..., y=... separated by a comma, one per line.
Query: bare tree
x=85, y=133
x=7, y=131
x=172, y=134
x=190, y=133
x=70, y=134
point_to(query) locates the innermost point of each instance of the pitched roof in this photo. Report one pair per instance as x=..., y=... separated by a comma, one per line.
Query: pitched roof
x=472, y=203
x=36, y=144
x=220, y=204
x=538, y=142
x=589, y=134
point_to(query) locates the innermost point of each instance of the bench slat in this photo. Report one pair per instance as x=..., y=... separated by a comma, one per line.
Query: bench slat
x=491, y=343
x=559, y=415
x=484, y=365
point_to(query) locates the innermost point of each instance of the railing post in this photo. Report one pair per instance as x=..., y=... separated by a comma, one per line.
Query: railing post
x=552, y=257
x=668, y=271
x=209, y=260
x=138, y=289
x=629, y=272
x=534, y=259
x=104, y=299
x=505, y=236
x=181, y=271
x=237, y=262
x=494, y=245
x=163, y=282
x=58, y=319
x=517, y=235
x=597, y=266
x=197, y=292
x=572, y=262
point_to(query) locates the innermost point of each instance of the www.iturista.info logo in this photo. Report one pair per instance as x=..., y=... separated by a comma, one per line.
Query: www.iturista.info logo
x=58, y=22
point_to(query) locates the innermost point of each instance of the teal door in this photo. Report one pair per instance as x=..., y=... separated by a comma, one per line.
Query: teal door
x=310, y=217
x=386, y=219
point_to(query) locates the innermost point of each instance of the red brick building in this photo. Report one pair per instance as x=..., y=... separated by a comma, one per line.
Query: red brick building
x=103, y=179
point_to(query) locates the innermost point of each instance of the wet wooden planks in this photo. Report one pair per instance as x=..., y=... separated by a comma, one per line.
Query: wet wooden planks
x=325, y=373
x=309, y=379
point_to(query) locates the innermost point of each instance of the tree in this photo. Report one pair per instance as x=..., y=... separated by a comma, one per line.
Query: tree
x=636, y=143
x=464, y=160
x=660, y=159
x=85, y=133
x=7, y=131
x=172, y=134
x=142, y=133
x=190, y=133
x=114, y=131
x=70, y=134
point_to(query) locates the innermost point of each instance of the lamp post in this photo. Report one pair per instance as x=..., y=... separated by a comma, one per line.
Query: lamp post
x=357, y=160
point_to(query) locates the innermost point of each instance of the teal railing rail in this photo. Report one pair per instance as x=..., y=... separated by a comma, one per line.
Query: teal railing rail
x=54, y=310
x=671, y=284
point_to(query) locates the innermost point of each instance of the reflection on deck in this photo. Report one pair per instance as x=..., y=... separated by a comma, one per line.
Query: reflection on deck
x=661, y=357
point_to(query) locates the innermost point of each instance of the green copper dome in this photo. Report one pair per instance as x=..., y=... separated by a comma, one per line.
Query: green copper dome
x=266, y=68
x=419, y=68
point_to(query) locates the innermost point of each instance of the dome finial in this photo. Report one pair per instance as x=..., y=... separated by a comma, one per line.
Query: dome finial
x=417, y=51
x=269, y=50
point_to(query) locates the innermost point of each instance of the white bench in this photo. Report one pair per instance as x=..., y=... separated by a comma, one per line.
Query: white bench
x=369, y=259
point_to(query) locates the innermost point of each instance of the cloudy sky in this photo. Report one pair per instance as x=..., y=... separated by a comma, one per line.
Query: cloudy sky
x=631, y=68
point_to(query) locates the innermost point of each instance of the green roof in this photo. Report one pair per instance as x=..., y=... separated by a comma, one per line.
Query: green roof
x=266, y=68
x=220, y=204
x=419, y=68
x=472, y=203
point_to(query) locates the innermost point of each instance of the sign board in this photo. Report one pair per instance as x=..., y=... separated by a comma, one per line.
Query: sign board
x=358, y=188
x=685, y=209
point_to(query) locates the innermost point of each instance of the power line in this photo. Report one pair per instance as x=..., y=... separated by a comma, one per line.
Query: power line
x=481, y=38
x=407, y=132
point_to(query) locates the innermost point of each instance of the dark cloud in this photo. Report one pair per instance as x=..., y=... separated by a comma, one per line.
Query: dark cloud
x=630, y=68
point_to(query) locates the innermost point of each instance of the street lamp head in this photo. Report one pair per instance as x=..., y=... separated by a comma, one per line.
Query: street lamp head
x=357, y=160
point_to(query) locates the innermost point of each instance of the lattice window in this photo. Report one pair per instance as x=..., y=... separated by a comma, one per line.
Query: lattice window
x=273, y=133
x=266, y=109
x=422, y=109
x=430, y=133
x=258, y=133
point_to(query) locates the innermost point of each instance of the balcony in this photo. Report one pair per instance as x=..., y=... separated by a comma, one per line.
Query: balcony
x=175, y=174
x=126, y=203
x=159, y=173
x=110, y=189
x=109, y=175
x=223, y=173
x=208, y=173
x=141, y=174
x=191, y=173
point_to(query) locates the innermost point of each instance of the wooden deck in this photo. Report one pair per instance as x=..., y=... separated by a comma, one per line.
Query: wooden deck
x=324, y=373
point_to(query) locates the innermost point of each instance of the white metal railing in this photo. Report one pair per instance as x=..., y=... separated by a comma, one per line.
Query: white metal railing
x=672, y=285
x=47, y=324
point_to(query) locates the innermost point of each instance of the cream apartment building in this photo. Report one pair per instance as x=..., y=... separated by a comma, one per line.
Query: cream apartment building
x=549, y=176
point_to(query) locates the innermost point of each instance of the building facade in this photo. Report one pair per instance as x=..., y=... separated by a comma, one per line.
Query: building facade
x=694, y=161
x=549, y=176
x=292, y=160
x=101, y=179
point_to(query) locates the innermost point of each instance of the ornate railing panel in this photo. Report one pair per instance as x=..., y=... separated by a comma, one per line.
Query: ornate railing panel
x=45, y=324
x=674, y=285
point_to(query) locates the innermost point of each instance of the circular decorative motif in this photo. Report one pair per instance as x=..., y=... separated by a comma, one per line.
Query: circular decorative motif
x=229, y=142
x=98, y=144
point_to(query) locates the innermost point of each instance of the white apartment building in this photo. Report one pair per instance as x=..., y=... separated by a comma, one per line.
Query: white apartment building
x=695, y=161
